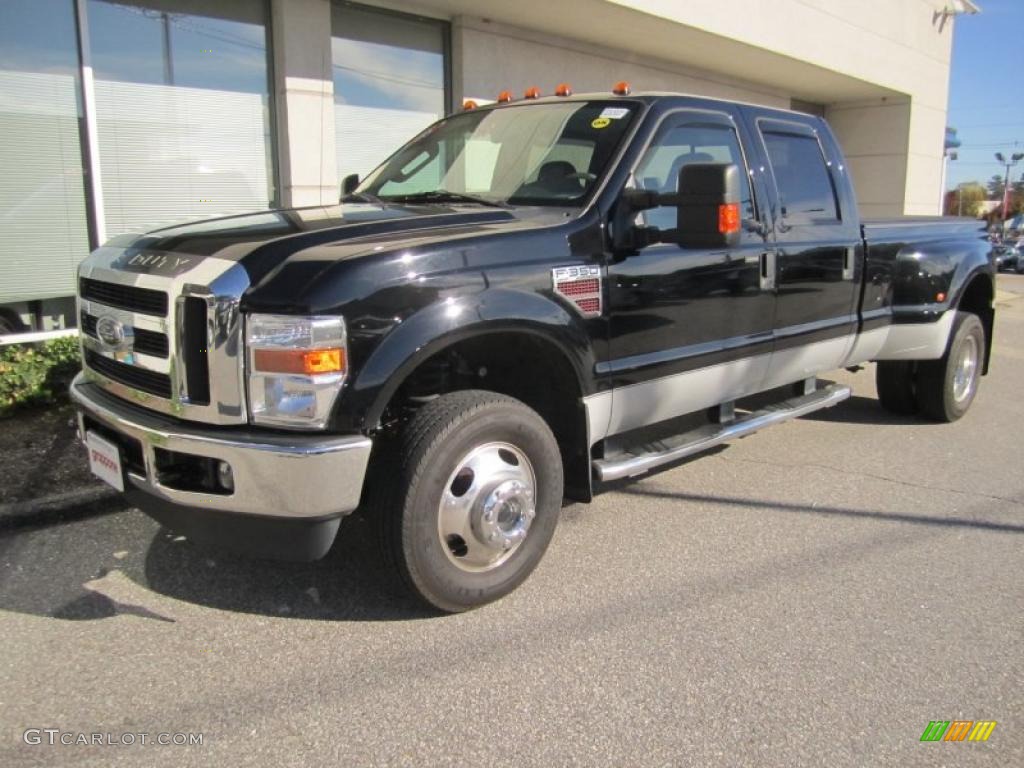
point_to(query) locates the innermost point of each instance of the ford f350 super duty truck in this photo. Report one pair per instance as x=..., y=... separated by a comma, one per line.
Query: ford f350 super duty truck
x=528, y=299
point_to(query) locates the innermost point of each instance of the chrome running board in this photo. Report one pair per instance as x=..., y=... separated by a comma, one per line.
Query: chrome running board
x=641, y=459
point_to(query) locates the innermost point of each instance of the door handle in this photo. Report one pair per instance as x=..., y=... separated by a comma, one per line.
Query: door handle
x=768, y=270
x=849, y=259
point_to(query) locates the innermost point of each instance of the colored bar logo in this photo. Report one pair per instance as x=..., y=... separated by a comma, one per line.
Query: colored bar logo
x=958, y=730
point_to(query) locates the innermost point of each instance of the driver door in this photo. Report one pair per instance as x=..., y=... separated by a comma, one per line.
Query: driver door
x=689, y=328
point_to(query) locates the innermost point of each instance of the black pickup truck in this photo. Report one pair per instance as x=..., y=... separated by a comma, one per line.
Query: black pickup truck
x=528, y=300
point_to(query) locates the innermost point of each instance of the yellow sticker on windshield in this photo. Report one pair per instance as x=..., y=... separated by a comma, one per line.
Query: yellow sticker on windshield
x=600, y=122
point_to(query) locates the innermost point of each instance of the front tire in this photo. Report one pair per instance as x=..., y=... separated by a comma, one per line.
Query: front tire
x=946, y=387
x=470, y=498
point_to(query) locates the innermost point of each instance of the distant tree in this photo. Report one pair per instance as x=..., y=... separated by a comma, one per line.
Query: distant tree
x=965, y=200
x=995, y=187
x=1016, y=200
x=996, y=190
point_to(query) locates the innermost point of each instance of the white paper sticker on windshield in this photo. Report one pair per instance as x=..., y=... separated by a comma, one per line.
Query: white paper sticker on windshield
x=614, y=113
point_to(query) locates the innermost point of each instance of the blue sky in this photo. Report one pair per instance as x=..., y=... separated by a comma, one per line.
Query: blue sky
x=986, y=90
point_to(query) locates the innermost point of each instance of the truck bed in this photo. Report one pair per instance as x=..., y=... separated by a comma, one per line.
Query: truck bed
x=909, y=228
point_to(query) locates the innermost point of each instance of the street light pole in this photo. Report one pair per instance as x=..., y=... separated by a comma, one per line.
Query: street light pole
x=1009, y=162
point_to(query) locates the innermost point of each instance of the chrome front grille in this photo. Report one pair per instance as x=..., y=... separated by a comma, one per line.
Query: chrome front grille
x=134, y=299
x=144, y=342
x=171, y=343
x=153, y=383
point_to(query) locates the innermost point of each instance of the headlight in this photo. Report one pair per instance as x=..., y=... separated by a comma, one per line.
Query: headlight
x=296, y=368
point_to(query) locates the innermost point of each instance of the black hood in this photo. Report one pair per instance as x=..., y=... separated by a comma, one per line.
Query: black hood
x=265, y=240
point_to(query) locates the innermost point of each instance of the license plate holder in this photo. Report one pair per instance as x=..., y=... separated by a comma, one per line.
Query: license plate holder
x=105, y=460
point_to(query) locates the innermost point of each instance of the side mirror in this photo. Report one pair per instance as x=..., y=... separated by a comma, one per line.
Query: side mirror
x=707, y=203
x=708, y=206
x=349, y=184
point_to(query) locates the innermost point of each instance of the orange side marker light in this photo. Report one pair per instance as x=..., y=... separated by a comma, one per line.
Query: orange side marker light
x=729, y=218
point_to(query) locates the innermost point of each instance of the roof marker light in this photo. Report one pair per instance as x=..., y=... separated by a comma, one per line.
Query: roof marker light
x=469, y=104
x=563, y=89
x=505, y=97
x=533, y=92
x=621, y=88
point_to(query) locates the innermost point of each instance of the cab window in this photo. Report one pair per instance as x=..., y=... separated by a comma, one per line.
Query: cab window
x=678, y=145
x=806, y=192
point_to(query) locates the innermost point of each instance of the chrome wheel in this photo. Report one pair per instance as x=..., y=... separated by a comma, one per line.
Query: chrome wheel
x=487, y=507
x=966, y=371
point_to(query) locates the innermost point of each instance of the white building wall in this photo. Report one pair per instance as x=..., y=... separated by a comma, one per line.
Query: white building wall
x=493, y=57
x=880, y=67
x=875, y=136
x=304, y=94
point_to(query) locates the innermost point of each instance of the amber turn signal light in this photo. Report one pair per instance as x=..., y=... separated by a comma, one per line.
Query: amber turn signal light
x=729, y=218
x=505, y=97
x=301, y=361
x=532, y=93
x=563, y=89
x=621, y=88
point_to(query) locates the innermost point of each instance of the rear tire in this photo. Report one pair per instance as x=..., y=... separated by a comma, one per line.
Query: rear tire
x=895, y=382
x=946, y=387
x=468, y=498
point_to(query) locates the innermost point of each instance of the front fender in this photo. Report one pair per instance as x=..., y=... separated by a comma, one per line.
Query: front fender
x=449, y=321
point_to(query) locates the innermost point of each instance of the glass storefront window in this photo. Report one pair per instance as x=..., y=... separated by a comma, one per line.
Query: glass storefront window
x=42, y=190
x=389, y=82
x=182, y=109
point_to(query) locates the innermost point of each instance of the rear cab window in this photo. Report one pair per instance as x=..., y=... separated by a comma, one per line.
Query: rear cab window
x=806, y=190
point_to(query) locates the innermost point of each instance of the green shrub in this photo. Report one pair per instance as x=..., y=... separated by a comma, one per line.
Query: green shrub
x=37, y=374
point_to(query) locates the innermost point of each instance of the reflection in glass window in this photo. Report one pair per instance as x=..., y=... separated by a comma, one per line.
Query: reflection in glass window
x=42, y=196
x=182, y=108
x=530, y=154
x=389, y=82
x=678, y=146
x=801, y=176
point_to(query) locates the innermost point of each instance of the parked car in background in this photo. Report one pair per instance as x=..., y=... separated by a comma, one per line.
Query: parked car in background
x=1007, y=257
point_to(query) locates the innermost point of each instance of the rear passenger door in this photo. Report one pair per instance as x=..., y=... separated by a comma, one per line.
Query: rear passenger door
x=817, y=249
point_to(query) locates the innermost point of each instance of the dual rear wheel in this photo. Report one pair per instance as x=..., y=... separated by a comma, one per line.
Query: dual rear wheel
x=940, y=389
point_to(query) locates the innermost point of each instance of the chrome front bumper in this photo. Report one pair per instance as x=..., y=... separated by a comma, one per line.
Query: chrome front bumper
x=276, y=475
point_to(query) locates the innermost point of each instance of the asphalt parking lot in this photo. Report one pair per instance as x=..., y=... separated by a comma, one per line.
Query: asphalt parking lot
x=812, y=595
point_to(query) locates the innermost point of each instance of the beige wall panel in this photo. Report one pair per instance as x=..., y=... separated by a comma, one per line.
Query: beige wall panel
x=304, y=93
x=496, y=57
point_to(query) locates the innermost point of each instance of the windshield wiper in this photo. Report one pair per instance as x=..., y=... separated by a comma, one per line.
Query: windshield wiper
x=443, y=195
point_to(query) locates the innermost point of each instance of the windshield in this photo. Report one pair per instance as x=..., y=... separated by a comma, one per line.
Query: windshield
x=530, y=154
